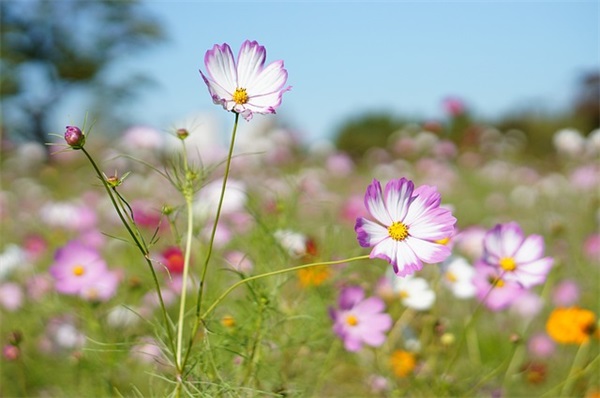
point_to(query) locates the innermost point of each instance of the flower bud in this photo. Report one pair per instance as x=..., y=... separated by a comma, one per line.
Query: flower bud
x=182, y=134
x=74, y=137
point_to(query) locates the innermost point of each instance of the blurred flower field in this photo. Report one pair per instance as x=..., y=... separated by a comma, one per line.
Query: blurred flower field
x=507, y=304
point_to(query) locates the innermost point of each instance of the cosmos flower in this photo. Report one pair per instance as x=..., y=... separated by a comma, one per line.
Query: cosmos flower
x=80, y=270
x=572, y=325
x=458, y=277
x=493, y=290
x=173, y=259
x=358, y=320
x=518, y=258
x=403, y=363
x=414, y=292
x=246, y=86
x=409, y=223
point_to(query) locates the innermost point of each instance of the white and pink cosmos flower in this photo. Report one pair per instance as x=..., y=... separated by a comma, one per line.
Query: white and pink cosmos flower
x=410, y=225
x=246, y=86
x=517, y=258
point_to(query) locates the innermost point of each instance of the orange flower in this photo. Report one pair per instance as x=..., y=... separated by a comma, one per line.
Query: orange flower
x=572, y=325
x=313, y=276
x=403, y=363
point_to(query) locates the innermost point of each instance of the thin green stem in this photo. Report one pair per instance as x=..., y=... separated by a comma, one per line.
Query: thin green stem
x=143, y=249
x=273, y=273
x=211, y=241
x=186, y=267
x=217, y=216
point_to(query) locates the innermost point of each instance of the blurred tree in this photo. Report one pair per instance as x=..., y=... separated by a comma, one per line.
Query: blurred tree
x=50, y=49
x=587, y=102
x=369, y=131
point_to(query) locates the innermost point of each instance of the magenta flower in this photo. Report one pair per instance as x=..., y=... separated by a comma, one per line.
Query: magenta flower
x=359, y=320
x=409, y=225
x=518, y=258
x=246, y=86
x=80, y=270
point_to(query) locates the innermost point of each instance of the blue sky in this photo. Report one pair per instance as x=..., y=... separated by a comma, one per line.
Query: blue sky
x=348, y=58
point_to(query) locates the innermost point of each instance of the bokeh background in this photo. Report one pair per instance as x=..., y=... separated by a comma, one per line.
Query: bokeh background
x=525, y=65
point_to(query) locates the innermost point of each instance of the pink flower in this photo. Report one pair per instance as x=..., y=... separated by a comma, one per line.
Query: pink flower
x=591, y=247
x=409, y=225
x=454, y=106
x=358, y=320
x=246, y=86
x=11, y=296
x=541, y=345
x=80, y=270
x=565, y=294
x=495, y=292
x=173, y=259
x=516, y=257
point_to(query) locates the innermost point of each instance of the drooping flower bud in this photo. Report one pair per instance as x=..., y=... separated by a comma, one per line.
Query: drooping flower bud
x=74, y=137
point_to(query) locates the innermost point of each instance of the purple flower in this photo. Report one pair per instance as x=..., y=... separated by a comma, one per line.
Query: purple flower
x=359, y=320
x=409, y=225
x=518, y=258
x=495, y=292
x=245, y=86
x=80, y=270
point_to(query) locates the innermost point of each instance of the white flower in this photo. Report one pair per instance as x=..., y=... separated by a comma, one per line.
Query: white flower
x=458, y=277
x=245, y=86
x=414, y=292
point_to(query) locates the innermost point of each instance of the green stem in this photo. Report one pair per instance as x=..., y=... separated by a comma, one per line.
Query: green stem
x=218, y=215
x=577, y=363
x=141, y=247
x=211, y=241
x=186, y=267
x=470, y=323
x=272, y=273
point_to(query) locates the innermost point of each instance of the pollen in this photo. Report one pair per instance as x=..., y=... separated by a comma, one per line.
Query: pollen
x=78, y=270
x=240, y=96
x=352, y=320
x=398, y=231
x=508, y=264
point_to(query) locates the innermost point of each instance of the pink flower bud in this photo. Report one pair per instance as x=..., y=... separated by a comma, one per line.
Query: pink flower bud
x=74, y=137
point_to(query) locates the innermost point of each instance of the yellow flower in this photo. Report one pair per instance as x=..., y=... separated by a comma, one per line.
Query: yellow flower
x=403, y=363
x=572, y=325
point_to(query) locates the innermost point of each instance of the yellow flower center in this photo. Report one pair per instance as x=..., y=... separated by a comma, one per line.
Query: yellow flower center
x=352, y=320
x=398, y=231
x=403, y=294
x=508, y=264
x=78, y=270
x=240, y=96
x=451, y=277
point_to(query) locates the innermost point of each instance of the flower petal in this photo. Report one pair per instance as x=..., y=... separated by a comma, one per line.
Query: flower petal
x=428, y=252
x=220, y=66
x=369, y=233
x=251, y=60
x=375, y=204
x=531, y=249
x=398, y=198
